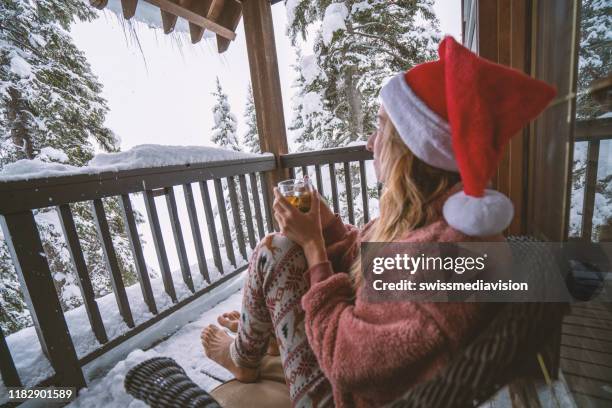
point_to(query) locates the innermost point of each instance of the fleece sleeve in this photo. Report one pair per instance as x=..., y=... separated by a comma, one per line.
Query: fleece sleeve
x=341, y=244
x=353, y=350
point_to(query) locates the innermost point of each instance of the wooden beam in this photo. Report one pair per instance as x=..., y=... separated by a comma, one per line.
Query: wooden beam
x=99, y=4
x=191, y=15
x=228, y=17
x=129, y=8
x=196, y=33
x=201, y=8
x=215, y=9
x=593, y=129
x=263, y=64
x=168, y=21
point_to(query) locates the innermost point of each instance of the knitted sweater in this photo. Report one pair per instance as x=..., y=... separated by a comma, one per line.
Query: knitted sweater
x=374, y=352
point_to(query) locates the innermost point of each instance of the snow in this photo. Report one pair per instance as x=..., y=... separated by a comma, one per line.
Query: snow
x=20, y=67
x=333, y=20
x=184, y=347
x=54, y=154
x=34, y=367
x=290, y=6
x=311, y=103
x=361, y=6
x=605, y=115
x=310, y=69
x=37, y=40
x=27, y=169
x=141, y=156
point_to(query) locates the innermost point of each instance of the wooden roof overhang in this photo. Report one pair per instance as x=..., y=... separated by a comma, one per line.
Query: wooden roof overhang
x=218, y=16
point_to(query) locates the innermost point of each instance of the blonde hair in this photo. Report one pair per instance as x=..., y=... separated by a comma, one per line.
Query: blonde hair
x=410, y=188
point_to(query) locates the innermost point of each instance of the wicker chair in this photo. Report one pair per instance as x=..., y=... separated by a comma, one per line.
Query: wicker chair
x=162, y=383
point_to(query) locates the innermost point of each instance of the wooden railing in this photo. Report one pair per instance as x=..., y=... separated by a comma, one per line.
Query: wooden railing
x=19, y=198
x=593, y=132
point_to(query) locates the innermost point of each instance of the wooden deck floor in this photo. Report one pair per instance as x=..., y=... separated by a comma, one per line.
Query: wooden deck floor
x=586, y=354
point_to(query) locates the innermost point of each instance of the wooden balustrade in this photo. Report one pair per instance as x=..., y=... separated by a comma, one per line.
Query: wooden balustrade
x=244, y=217
x=593, y=132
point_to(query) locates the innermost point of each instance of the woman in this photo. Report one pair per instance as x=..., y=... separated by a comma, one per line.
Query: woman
x=336, y=347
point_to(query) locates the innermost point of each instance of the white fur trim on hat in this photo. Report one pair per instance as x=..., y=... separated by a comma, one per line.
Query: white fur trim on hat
x=425, y=132
x=479, y=216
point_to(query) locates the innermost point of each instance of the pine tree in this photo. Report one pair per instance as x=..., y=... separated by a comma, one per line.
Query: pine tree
x=51, y=110
x=224, y=135
x=595, y=56
x=357, y=46
x=251, y=137
x=13, y=311
x=307, y=125
x=224, y=130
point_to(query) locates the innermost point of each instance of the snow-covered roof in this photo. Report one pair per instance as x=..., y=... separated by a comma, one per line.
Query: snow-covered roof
x=219, y=17
x=147, y=14
x=138, y=157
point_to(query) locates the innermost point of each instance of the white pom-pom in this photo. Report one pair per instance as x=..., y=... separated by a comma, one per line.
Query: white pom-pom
x=479, y=216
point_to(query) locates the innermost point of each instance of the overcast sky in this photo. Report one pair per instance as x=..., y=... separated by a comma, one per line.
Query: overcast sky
x=159, y=87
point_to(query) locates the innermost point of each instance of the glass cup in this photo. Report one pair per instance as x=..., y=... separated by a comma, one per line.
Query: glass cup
x=297, y=192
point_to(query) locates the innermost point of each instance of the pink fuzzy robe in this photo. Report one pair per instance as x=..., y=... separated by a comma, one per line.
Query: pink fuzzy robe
x=374, y=352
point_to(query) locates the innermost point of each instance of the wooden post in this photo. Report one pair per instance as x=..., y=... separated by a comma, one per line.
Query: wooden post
x=261, y=49
x=38, y=289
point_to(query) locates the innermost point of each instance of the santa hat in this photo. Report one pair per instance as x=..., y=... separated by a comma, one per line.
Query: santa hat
x=457, y=114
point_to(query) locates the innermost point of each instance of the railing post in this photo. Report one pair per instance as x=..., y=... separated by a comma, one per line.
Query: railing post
x=265, y=79
x=590, y=187
x=8, y=371
x=26, y=249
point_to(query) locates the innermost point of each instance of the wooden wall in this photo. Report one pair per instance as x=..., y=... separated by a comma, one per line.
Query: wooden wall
x=498, y=30
x=537, y=37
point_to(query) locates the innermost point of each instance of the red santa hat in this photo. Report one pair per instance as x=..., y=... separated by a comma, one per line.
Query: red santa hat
x=457, y=114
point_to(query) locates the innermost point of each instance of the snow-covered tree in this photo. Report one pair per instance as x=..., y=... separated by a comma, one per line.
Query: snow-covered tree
x=357, y=46
x=595, y=56
x=224, y=135
x=51, y=110
x=14, y=313
x=251, y=136
x=309, y=120
x=224, y=130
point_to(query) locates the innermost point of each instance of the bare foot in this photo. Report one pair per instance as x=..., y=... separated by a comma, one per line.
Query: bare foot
x=230, y=320
x=216, y=347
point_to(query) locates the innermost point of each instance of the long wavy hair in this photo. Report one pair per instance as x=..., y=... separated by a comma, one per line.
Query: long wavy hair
x=410, y=187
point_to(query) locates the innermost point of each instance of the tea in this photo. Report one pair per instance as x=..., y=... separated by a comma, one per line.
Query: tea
x=300, y=201
x=297, y=192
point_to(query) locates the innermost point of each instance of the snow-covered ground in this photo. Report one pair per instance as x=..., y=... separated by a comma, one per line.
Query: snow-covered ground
x=184, y=347
x=34, y=367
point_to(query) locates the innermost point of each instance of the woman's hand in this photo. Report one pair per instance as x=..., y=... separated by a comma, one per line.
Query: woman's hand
x=302, y=228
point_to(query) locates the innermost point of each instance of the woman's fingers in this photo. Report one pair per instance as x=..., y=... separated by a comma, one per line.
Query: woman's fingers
x=282, y=201
x=315, y=208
